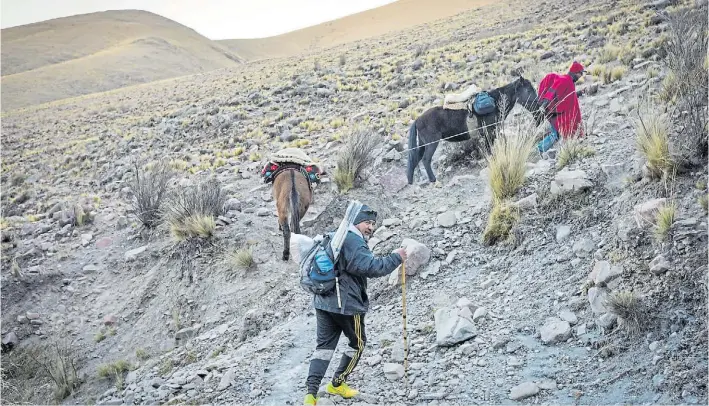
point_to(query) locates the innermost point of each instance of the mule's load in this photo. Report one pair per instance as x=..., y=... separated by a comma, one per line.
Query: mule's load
x=291, y=158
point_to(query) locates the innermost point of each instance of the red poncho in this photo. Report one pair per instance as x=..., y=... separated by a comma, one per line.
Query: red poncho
x=561, y=93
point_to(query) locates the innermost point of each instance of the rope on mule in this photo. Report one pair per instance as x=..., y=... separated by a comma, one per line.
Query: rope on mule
x=403, y=312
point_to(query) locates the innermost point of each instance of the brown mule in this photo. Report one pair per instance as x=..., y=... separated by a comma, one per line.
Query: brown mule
x=293, y=196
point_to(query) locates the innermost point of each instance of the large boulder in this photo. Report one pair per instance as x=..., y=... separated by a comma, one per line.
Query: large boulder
x=417, y=254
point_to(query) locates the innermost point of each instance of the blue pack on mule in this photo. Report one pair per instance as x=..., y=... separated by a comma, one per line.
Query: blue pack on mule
x=484, y=103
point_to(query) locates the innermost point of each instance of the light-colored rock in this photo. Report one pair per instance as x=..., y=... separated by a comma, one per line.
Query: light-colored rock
x=607, y=320
x=393, y=372
x=133, y=254
x=524, y=390
x=480, y=313
x=528, y=202
x=616, y=174
x=603, y=272
x=562, y=233
x=555, y=330
x=568, y=316
x=391, y=222
x=263, y=212
x=570, y=181
x=451, y=327
x=584, y=248
x=597, y=297
x=417, y=254
x=447, y=219
x=227, y=379
x=645, y=213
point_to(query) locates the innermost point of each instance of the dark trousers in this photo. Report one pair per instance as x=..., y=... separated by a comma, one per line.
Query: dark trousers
x=329, y=328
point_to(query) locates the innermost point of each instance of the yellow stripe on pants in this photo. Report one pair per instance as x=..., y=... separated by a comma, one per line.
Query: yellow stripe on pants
x=360, y=348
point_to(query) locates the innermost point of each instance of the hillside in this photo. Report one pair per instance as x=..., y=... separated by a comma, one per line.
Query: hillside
x=83, y=54
x=593, y=292
x=392, y=17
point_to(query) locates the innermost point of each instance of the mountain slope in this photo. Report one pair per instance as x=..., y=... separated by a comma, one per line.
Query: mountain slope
x=391, y=17
x=95, y=52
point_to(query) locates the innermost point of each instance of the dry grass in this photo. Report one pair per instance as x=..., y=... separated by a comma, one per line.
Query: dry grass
x=631, y=311
x=704, y=202
x=664, y=219
x=356, y=154
x=149, y=189
x=571, y=150
x=192, y=211
x=652, y=140
x=502, y=218
x=30, y=374
x=115, y=370
x=507, y=163
x=242, y=259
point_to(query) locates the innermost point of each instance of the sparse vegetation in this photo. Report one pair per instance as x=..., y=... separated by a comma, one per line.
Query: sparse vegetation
x=242, y=259
x=149, y=191
x=192, y=211
x=115, y=370
x=354, y=157
x=686, y=49
x=507, y=163
x=571, y=150
x=502, y=218
x=653, y=142
x=704, y=202
x=632, y=314
x=664, y=219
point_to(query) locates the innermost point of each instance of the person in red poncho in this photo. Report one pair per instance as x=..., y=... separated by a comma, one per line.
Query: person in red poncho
x=559, y=101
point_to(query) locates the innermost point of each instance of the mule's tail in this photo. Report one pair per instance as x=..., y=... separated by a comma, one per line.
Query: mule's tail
x=294, y=205
x=413, y=153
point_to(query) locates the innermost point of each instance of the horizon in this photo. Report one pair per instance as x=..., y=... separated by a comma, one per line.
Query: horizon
x=219, y=20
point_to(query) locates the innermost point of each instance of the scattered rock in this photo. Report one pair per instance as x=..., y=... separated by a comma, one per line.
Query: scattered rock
x=451, y=327
x=570, y=181
x=227, y=379
x=480, y=313
x=660, y=265
x=528, y=202
x=417, y=255
x=597, y=297
x=110, y=320
x=187, y=333
x=133, y=254
x=645, y=213
x=232, y=205
x=263, y=212
x=555, y=330
x=584, y=248
x=562, y=233
x=568, y=317
x=603, y=272
x=393, y=372
x=524, y=390
x=9, y=341
x=447, y=219
x=607, y=320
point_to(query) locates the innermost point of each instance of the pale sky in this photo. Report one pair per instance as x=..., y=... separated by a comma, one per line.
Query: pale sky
x=215, y=19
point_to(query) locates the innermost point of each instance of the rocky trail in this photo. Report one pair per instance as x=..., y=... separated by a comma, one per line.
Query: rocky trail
x=525, y=320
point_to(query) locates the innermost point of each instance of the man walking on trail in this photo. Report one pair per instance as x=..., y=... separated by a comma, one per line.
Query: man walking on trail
x=355, y=264
x=559, y=101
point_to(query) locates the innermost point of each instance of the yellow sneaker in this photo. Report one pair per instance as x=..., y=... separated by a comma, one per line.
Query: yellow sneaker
x=310, y=400
x=342, y=390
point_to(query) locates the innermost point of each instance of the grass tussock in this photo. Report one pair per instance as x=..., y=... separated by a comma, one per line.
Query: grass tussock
x=571, y=150
x=192, y=211
x=632, y=313
x=242, y=259
x=150, y=187
x=664, y=219
x=356, y=154
x=507, y=163
x=652, y=140
x=36, y=374
x=502, y=218
x=115, y=370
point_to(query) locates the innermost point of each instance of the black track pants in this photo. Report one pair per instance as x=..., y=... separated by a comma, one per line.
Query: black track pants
x=329, y=328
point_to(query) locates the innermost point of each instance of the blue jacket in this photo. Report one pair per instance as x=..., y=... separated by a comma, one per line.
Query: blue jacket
x=355, y=264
